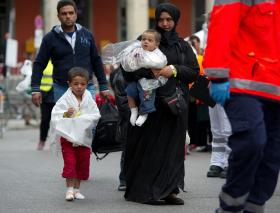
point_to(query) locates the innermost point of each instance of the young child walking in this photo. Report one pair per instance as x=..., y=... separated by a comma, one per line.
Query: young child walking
x=143, y=54
x=74, y=116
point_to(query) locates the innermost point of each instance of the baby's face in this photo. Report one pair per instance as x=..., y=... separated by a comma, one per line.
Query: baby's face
x=148, y=42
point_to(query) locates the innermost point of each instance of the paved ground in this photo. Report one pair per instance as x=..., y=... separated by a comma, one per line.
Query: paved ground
x=31, y=182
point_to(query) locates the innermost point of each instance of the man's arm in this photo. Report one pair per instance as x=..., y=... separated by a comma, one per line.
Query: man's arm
x=98, y=67
x=39, y=65
x=221, y=31
x=217, y=57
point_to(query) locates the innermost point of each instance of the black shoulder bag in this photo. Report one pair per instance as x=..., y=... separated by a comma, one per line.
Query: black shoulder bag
x=175, y=102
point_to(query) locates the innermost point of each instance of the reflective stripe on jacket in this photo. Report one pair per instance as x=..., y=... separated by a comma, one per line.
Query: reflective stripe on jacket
x=244, y=45
x=47, y=80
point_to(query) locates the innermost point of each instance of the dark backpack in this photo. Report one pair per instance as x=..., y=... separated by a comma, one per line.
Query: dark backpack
x=104, y=141
x=118, y=85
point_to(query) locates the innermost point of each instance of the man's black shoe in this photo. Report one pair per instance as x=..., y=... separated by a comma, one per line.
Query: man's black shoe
x=214, y=171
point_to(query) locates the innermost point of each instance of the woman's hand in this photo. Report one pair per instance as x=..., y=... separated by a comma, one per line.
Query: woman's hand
x=156, y=72
x=165, y=72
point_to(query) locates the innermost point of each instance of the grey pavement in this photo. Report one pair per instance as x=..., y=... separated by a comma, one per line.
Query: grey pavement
x=31, y=182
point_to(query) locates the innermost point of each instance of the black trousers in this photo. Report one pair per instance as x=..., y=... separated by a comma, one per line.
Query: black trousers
x=46, y=110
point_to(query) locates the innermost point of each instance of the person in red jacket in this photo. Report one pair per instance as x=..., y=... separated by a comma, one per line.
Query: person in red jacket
x=242, y=60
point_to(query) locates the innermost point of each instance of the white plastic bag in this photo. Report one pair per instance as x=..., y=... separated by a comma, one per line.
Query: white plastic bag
x=112, y=53
x=25, y=70
x=149, y=84
x=78, y=129
x=135, y=57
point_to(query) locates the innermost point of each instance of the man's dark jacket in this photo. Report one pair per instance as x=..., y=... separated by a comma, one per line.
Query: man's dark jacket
x=55, y=47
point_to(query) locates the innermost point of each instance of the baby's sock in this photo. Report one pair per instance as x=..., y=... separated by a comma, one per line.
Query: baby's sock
x=141, y=119
x=134, y=115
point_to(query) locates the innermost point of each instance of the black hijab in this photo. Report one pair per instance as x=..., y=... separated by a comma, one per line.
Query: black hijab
x=168, y=37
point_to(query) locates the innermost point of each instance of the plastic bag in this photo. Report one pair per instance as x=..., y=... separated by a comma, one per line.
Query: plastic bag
x=25, y=70
x=112, y=53
x=135, y=57
x=150, y=84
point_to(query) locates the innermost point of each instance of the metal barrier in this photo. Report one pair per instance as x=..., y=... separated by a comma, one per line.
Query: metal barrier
x=15, y=105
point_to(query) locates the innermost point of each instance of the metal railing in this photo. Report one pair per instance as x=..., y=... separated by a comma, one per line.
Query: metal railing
x=15, y=105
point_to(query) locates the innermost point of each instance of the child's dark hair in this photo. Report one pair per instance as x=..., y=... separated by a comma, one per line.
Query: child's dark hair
x=77, y=71
x=156, y=33
x=63, y=3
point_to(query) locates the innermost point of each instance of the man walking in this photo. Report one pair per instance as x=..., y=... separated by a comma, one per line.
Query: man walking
x=242, y=59
x=46, y=105
x=67, y=45
x=221, y=130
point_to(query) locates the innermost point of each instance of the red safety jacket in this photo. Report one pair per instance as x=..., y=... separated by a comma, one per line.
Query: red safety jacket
x=244, y=45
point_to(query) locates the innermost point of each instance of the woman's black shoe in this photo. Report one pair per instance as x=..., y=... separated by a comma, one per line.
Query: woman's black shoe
x=172, y=199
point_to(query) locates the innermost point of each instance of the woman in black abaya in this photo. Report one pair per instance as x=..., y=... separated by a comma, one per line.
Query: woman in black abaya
x=154, y=162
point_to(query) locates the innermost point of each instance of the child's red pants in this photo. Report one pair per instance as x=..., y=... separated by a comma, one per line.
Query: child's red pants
x=76, y=160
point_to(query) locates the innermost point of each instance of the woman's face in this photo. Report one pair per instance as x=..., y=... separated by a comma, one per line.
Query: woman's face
x=166, y=22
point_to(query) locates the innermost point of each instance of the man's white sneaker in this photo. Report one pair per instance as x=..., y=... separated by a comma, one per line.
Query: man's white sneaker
x=79, y=196
x=69, y=196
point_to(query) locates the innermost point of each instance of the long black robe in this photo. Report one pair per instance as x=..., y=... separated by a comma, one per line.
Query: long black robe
x=154, y=161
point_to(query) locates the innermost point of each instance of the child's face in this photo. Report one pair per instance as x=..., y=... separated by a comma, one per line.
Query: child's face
x=78, y=85
x=148, y=42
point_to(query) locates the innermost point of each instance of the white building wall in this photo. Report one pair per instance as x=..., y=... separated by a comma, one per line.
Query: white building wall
x=136, y=17
x=49, y=14
x=209, y=5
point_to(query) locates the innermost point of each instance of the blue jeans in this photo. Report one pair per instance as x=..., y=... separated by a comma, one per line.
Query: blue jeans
x=146, y=98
